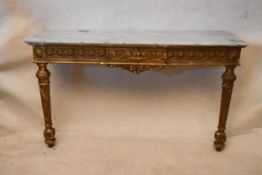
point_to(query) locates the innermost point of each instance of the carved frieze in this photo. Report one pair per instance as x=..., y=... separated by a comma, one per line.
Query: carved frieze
x=203, y=55
x=137, y=59
x=87, y=53
x=74, y=53
x=136, y=55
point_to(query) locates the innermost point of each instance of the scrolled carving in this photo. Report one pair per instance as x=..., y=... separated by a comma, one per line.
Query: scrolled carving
x=137, y=68
x=136, y=55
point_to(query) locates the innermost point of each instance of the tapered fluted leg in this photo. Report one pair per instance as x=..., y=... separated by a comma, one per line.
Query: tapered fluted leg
x=228, y=82
x=43, y=79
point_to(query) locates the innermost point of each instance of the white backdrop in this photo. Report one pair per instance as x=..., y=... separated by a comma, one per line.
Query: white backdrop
x=111, y=121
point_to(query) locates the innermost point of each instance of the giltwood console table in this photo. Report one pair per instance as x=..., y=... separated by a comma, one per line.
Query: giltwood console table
x=137, y=51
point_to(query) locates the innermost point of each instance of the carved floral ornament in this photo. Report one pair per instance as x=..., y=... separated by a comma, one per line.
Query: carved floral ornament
x=136, y=69
x=135, y=55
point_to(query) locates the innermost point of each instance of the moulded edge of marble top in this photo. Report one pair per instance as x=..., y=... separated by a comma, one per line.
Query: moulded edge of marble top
x=151, y=38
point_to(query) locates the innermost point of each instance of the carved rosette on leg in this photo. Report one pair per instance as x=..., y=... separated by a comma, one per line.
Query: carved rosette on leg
x=43, y=79
x=228, y=82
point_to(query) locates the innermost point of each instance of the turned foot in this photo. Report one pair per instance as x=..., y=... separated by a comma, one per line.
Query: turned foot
x=220, y=139
x=49, y=135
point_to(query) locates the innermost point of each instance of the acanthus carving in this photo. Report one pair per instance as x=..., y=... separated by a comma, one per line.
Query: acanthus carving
x=136, y=55
x=137, y=68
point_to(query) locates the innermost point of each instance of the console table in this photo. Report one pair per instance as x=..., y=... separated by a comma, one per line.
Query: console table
x=137, y=51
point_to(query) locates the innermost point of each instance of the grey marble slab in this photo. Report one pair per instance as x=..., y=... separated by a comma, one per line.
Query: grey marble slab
x=136, y=37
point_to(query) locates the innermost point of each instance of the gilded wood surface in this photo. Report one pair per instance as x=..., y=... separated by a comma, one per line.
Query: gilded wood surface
x=137, y=58
x=227, y=87
x=137, y=68
x=43, y=80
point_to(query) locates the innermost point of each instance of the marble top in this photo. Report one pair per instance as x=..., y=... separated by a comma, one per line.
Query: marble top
x=117, y=37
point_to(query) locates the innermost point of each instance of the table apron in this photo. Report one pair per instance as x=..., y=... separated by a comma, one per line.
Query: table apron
x=127, y=55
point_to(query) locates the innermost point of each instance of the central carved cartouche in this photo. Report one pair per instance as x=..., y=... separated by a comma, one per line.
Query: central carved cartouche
x=136, y=69
x=136, y=55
